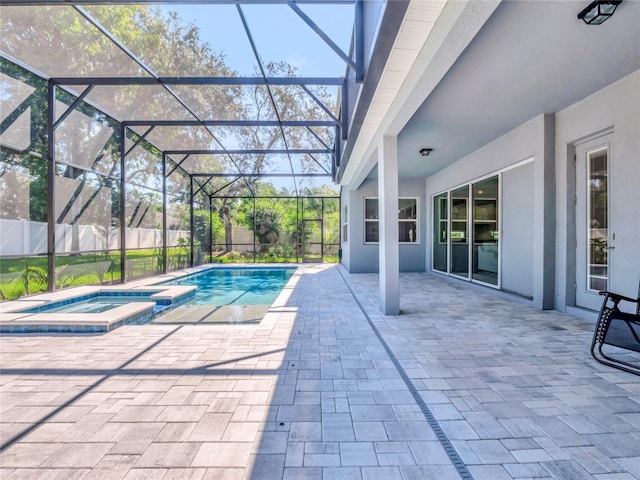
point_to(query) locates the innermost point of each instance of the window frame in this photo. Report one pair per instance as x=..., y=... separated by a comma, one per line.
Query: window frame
x=375, y=220
x=415, y=220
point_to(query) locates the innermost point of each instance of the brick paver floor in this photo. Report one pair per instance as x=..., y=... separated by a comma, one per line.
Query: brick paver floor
x=312, y=393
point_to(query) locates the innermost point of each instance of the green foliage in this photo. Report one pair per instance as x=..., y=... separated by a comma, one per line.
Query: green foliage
x=201, y=227
x=170, y=46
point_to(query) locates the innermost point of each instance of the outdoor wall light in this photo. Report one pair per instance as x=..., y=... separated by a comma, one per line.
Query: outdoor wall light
x=425, y=151
x=598, y=11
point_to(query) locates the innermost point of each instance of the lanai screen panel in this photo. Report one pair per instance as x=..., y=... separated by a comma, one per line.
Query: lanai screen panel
x=17, y=102
x=181, y=137
x=207, y=53
x=138, y=102
x=58, y=41
x=231, y=186
x=310, y=137
x=85, y=139
x=316, y=186
x=252, y=137
x=293, y=102
x=316, y=164
x=295, y=38
x=275, y=186
x=209, y=164
x=278, y=163
x=227, y=102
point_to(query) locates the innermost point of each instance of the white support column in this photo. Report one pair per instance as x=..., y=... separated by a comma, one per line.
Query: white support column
x=388, y=212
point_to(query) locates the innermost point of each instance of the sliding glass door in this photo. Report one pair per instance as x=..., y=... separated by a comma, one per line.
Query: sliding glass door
x=485, y=231
x=466, y=231
x=459, y=232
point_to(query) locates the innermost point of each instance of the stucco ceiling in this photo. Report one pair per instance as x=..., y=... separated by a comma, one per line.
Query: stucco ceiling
x=529, y=58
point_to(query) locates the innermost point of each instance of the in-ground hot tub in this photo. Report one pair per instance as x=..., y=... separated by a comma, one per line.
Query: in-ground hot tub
x=99, y=310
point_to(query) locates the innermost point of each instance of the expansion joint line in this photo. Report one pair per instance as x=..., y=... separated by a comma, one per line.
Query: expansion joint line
x=453, y=455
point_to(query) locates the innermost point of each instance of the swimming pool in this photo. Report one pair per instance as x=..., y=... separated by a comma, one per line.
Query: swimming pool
x=237, y=285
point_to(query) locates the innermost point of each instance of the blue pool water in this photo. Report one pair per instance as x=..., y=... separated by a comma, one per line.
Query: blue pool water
x=98, y=303
x=237, y=286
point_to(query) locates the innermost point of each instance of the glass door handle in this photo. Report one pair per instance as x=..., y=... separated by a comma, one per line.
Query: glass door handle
x=611, y=248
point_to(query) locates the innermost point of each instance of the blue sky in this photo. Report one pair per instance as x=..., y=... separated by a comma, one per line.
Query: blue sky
x=278, y=32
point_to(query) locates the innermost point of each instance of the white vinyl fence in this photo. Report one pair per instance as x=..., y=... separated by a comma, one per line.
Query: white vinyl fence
x=24, y=237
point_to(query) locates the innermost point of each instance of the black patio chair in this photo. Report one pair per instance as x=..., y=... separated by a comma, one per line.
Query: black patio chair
x=618, y=329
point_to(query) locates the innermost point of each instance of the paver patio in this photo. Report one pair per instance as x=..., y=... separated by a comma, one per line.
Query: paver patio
x=312, y=393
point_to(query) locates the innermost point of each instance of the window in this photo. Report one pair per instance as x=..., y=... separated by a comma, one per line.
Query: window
x=371, y=226
x=597, y=216
x=345, y=222
x=407, y=220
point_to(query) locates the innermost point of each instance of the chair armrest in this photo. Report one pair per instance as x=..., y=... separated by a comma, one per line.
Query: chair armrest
x=617, y=297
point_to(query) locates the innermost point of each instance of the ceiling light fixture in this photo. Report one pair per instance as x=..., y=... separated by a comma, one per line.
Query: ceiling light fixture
x=425, y=151
x=598, y=11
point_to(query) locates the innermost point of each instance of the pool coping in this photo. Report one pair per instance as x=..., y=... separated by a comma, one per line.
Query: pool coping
x=13, y=318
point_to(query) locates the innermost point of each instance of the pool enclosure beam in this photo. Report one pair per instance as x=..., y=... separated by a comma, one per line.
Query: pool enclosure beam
x=51, y=194
x=191, y=216
x=55, y=119
x=250, y=151
x=72, y=107
x=358, y=31
x=178, y=164
x=158, y=80
x=230, y=123
x=139, y=141
x=269, y=91
x=123, y=199
x=350, y=62
x=164, y=212
x=173, y=2
x=259, y=175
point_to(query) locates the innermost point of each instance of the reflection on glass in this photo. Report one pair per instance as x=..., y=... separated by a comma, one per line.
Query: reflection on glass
x=485, y=231
x=407, y=220
x=371, y=232
x=598, y=230
x=371, y=226
x=440, y=221
x=371, y=208
x=459, y=232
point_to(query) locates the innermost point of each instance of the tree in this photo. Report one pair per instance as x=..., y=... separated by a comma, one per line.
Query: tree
x=68, y=45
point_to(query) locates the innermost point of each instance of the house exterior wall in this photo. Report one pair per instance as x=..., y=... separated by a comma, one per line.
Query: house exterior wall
x=535, y=162
x=518, y=155
x=615, y=109
x=517, y=234
x=528, y=190
x=359, y=257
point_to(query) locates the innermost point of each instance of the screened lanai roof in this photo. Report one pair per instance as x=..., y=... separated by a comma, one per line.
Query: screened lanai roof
x=226, y=89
